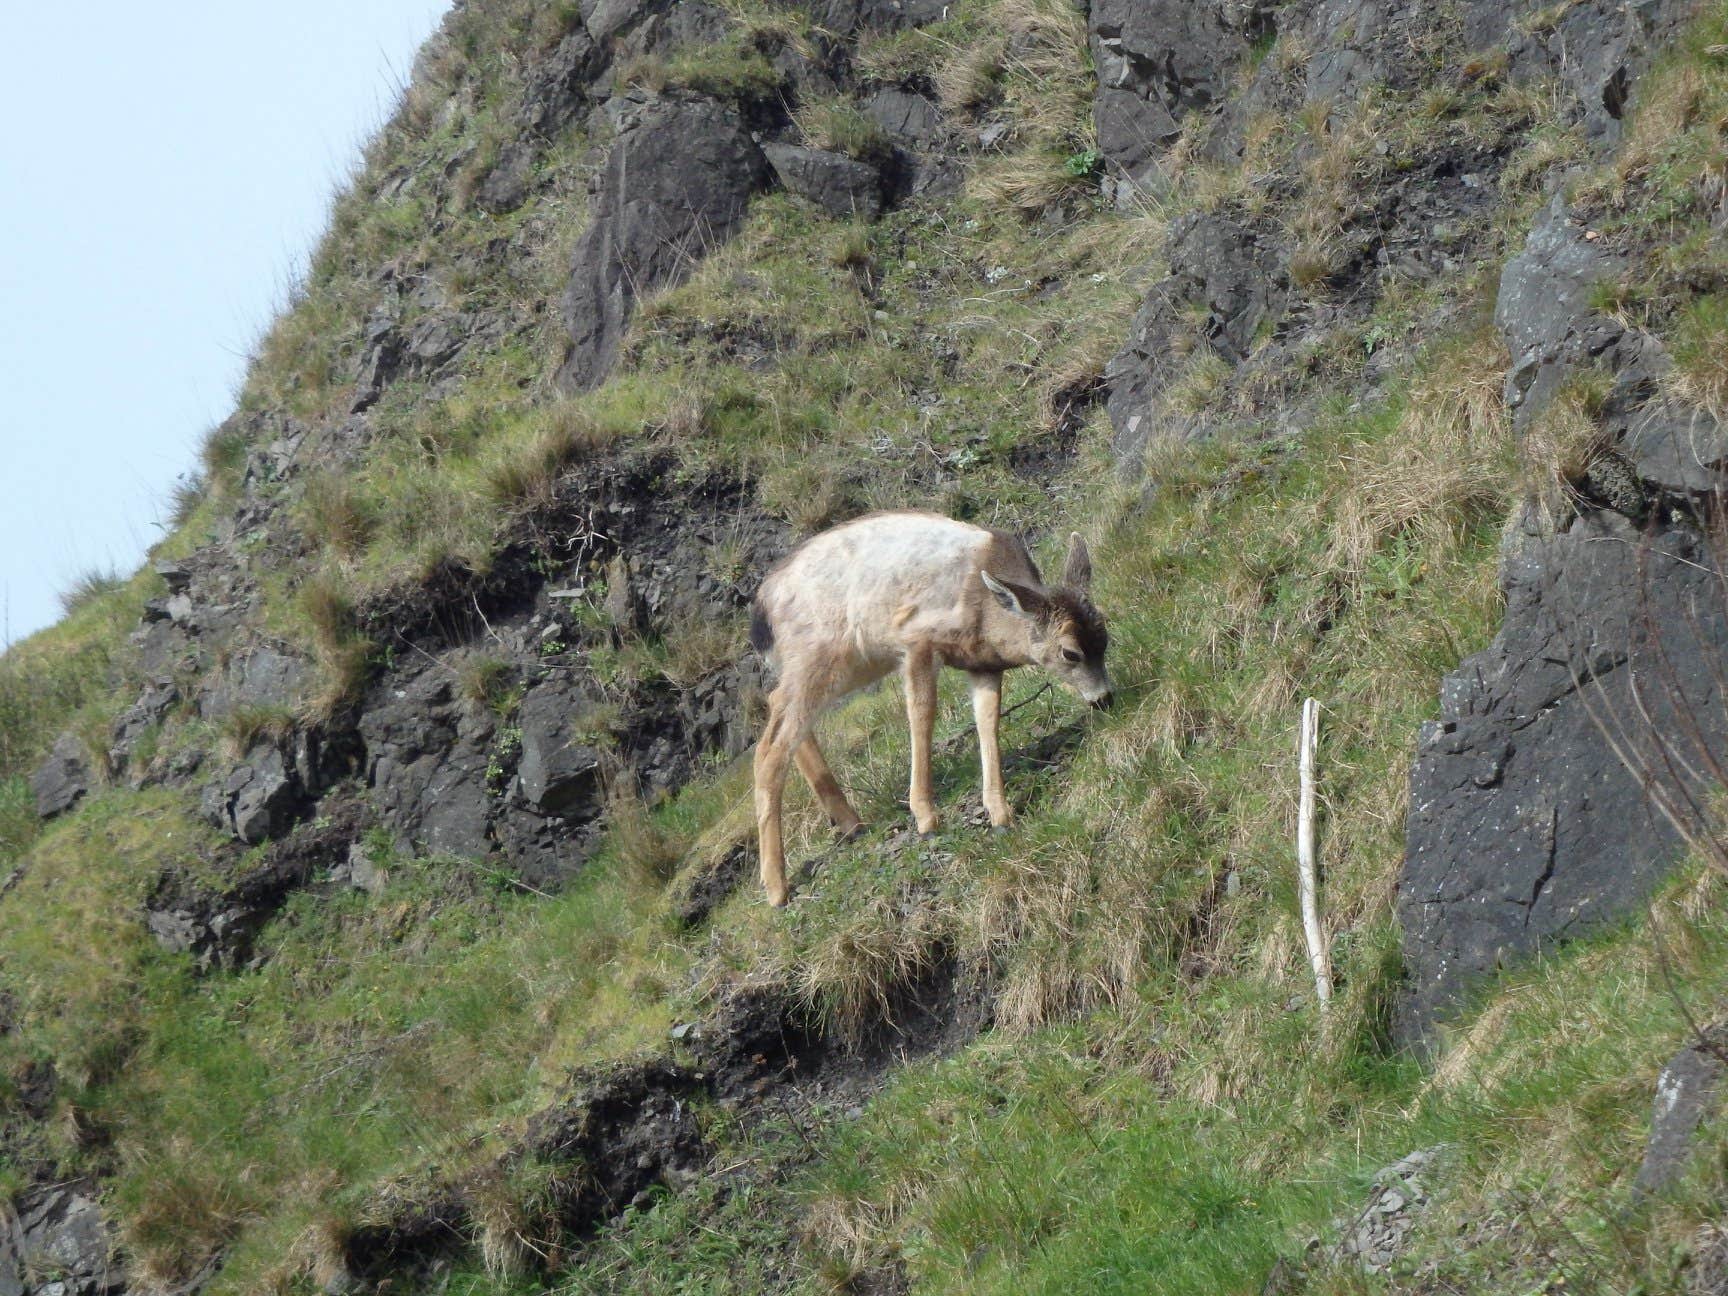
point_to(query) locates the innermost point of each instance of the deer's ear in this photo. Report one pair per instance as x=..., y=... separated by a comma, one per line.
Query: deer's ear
x=1019, y=599
x=1077, y=571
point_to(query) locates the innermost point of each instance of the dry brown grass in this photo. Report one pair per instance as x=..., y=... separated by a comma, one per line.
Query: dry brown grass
x=1029, y=182
x=339, y=650
x=648, y=855
x=850, y=973
x=337, y=515
x=523, y=471
x=1201, y=383
x=840, y=126
x=1447, y=467
x=1559, y=445
x=970, y=76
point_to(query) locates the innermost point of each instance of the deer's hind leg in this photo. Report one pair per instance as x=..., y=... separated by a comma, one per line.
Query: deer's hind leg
x=814, y=767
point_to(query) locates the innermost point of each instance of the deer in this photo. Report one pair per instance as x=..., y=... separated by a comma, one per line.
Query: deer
x=909, y=591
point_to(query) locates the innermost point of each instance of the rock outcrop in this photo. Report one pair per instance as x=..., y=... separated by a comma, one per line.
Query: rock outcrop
x=55, y=1241
x=1549, y=797
x=63, y=779
x=677, y=184
x=1532, y=815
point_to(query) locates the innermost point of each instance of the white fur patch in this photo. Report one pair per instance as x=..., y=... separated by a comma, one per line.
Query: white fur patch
x=876, y=582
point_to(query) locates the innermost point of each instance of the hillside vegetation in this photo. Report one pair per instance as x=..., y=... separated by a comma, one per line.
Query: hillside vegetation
x=1082, y=1055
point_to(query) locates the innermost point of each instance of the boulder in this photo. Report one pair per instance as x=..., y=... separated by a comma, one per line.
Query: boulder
x=258, y=797
x=1688, y=1093
x=676, y=183
x=380, y=358
x=842, y=186
x=1596, y=49
x=560, y=769
x=506, y=184
x=908, y=118
x=1526, y=825
x=63, y=779
x=138, y=719
x=1544, y=310
x=1680, y=452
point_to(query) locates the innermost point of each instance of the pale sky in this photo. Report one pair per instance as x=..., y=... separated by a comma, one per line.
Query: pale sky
x=164, y=170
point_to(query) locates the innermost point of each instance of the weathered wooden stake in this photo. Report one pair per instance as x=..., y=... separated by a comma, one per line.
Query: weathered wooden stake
x=1305, y=856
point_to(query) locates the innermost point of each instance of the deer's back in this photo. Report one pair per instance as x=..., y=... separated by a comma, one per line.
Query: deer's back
x=879, y=578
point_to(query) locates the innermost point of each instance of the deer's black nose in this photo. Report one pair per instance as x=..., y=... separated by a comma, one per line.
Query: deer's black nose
x=1105, y=702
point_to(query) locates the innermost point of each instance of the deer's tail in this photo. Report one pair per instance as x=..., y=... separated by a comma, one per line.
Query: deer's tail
x=761, y=629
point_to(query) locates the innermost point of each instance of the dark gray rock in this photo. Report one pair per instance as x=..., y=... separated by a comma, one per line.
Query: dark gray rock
x=1544, y=310
x=1688, y=1093
x=908, y=118
x=258, y=797
x=216, y=924
x=1234, y=272
x=560, y=769
x=1595, y=49
x=63, y=779
x=55, y=1241
x=840, y=185
x=1525, y=826
x=176, y=575
x=688, y=22
x=1681, y=452
x=380, y=359
x=138, y=719
x=676, y=183
x=426, y=759
x=506, y=184
x=1235, y=275
x=846, y=17
x=558, y=88
x=259, y=677
x=434, y=341
x=1157, y=61
x=606, y=19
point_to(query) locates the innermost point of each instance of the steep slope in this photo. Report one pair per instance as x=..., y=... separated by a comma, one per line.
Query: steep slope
x=379, y=906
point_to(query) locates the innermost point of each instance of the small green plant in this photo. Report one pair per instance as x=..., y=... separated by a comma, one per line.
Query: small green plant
x=1084, y=164
x=501, y=763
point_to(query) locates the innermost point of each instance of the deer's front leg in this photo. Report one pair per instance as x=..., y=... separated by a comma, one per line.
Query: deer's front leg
x=920, y=676
x=987, y=715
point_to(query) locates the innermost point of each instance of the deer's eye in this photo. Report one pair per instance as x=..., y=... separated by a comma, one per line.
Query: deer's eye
x=1068, y=654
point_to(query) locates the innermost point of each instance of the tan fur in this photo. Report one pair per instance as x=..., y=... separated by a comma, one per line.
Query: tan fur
x=910, y=592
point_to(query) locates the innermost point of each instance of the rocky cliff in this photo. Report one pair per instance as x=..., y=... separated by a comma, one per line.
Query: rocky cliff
x=377, y=911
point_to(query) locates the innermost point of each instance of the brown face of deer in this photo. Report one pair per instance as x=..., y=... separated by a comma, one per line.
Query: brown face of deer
x=1067, y=634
